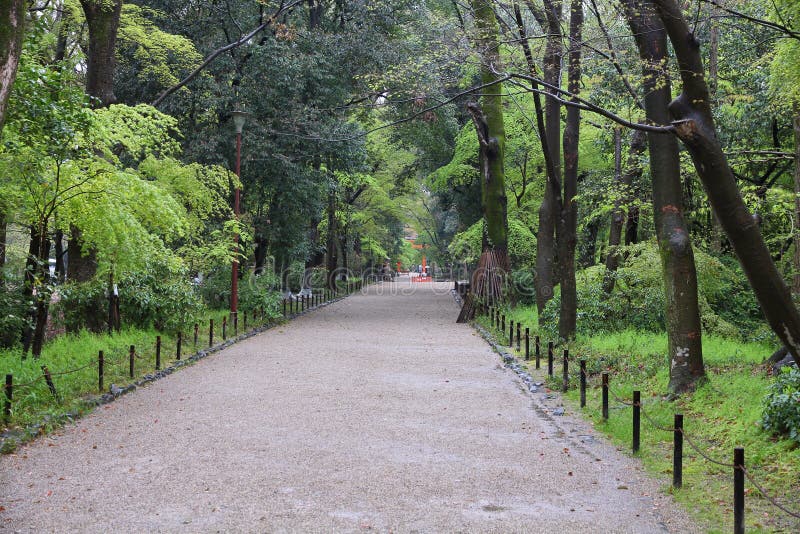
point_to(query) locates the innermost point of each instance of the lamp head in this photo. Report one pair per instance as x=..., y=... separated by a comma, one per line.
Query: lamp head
x=239, y=118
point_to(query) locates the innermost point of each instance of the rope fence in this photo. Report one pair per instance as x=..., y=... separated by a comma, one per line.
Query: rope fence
x=121, y=367
x=497, y=319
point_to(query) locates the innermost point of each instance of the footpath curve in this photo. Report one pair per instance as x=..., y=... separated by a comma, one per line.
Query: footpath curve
x=377, y=412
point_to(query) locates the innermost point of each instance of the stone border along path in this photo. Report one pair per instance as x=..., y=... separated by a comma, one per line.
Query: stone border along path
x=376, y=412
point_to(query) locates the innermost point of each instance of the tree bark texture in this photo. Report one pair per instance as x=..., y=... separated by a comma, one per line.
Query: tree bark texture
x=332, y=258
x=796, y=274
x=617, y=220
x=568, y=220
x=102, y=20
x=551, y=203
x=488, y=279
x=677, y=258
x=12, y=25
x=695, y=127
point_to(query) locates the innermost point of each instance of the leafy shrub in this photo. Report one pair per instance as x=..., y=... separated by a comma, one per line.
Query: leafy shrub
x=727, y=305
x=781, y=414
x=158, y=296
x=13, y=309
x=263, y=290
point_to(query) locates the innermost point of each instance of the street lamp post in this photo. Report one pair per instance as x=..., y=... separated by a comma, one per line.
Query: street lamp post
x=239, y=118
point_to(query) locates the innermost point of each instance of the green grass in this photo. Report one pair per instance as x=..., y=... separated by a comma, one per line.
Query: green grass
x=722, y=414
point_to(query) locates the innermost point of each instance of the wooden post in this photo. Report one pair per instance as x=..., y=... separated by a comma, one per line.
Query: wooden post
x=583, y=383
x=224, y=328
x=9, y=389
x=518, y=334
x=565, y=380
x=211, y=332
x=538, y=352
x=605, y=396
x=131, y=360
x=738, y=490
x=100, y=370
x=158, y=353
x=550, y=359
x=178, y=347
x=637, y=420
x=196, y=331
x=677, y=452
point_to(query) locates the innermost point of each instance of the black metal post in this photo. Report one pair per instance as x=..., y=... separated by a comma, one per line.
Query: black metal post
x=100, y=370
x=677, y=455
x=132, y=358
x=518, y=334
x=178, y=344
x=583, y=383
x=158, y=353
x=224, y=328
x=538, y=352
x=738, y=490
x=637, y=420
x=565, y=376
x=511, y=334
x=605, y=396
x=211, y=332
x=9, y=397
x=550, y=359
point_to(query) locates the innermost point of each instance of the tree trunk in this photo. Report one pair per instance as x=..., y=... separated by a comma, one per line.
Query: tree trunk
x=587, y=257
x=80, y=267
x=568, y=221
x=332, y=258
x=617, y=219
x=3, y=237
x=796, y=274
x=695, y=127
x=12, y=29
x=37, y=274
x=102, y=19
x=551, y=203
x=677, y=258
x=60, y=270
x=493, y=267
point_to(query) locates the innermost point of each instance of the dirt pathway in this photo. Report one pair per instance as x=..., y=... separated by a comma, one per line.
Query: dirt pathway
x=377, y=412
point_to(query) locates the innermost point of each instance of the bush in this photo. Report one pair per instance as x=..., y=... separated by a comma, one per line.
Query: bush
x=257, y=291
x=781, y=413
x=727, y=305
x=13, y=310
x=158, y=297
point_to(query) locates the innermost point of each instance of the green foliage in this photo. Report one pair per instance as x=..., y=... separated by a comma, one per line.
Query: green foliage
x=466, y=246
x=727, y=304
x=13, y=310
x=781, y=413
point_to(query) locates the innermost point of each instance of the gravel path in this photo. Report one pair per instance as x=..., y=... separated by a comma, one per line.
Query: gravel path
x=375, y=413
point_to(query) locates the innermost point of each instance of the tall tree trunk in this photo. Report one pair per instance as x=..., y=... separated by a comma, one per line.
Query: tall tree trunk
x=694, y=125
x=488, y=119
x=12, y=29
x=81, y=265
x=102, y=19
x=37, y=274
x=3, y=238
x=796, y=274
x=617, y=219
x=677, y=258
x=568, y=221
x=332, y=258
x=551, y=203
